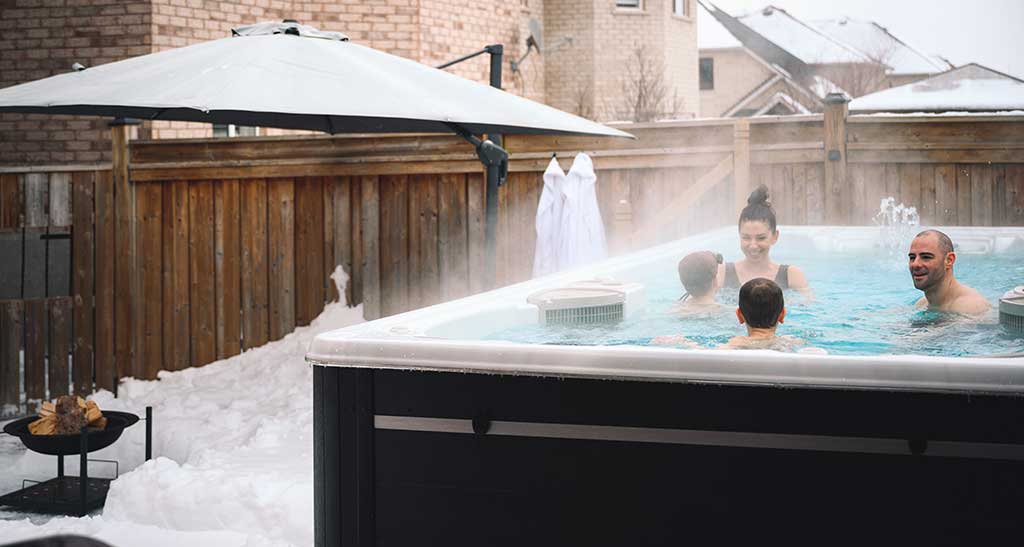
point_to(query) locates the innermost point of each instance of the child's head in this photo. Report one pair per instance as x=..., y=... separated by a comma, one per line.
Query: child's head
x=698, y=272
x=761, y=304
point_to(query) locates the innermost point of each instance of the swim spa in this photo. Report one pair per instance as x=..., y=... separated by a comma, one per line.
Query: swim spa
x=432, y=430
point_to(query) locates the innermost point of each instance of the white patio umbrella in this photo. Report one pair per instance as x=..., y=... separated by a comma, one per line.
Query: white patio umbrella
x=293, y=76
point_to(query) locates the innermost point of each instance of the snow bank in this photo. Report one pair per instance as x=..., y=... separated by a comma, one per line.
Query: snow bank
x=232, y=446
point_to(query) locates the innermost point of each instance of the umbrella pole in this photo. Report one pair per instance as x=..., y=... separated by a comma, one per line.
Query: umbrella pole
x=493, y=181
x=494, y=170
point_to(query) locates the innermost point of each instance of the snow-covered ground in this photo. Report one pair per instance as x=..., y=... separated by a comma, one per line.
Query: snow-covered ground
x=232, y=454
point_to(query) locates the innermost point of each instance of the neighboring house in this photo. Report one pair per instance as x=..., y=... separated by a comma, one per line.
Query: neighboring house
x=970, y=88
x=588, y=52
x=777, y=64
x=737, y=81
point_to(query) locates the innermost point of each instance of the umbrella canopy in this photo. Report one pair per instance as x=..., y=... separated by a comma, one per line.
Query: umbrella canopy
x=292, y=76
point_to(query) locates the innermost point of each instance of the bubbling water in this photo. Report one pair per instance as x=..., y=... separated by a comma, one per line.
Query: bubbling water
x=898, y=223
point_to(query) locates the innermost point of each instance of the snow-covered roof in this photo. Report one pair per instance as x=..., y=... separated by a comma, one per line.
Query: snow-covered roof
x=711, y=34
x=801, y=40
x=874, y=41
x=970, y=88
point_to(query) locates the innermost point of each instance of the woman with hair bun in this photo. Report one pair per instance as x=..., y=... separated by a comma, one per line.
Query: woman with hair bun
x=758, y=232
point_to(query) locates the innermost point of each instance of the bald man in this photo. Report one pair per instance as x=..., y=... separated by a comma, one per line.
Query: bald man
x=931, y=267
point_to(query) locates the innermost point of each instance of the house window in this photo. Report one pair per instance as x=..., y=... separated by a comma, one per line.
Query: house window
x=707, y=73
x=627, y=4
x=681, y=8
x=232, y=130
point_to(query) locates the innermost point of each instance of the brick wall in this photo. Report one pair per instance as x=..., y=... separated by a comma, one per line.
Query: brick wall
x=589, y=75
x=737, y=74
x=42, y=38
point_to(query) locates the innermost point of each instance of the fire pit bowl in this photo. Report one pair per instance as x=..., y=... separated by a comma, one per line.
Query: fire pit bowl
x=64, y=445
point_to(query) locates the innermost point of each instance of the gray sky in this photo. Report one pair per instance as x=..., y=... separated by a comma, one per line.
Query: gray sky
x=987, y=32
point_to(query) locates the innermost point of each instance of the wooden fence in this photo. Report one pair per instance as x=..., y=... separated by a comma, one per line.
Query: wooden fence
x=200, y=249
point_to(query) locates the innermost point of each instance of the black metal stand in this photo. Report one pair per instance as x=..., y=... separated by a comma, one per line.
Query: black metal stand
x=67, y=495
x=494, y=159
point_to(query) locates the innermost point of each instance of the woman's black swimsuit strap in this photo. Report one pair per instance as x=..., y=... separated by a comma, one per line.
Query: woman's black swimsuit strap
x=732, y=279
x=782, y=277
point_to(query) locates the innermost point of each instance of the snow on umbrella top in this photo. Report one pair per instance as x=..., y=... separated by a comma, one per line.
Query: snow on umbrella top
x=296, y=77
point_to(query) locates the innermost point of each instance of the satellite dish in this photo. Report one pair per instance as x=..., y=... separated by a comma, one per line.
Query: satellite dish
x=536, y=41
x=536, y=34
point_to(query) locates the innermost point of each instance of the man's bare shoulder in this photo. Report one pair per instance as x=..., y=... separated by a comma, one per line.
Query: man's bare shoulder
x=969, y=301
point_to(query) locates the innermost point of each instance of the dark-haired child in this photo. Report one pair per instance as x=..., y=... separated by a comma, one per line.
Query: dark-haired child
x=762, y=308
x=698, y=272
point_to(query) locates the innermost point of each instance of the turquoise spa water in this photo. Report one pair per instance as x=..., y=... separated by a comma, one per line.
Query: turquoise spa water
x=864, y=305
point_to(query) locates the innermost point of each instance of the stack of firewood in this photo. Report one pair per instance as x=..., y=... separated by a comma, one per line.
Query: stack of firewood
x=67, y=415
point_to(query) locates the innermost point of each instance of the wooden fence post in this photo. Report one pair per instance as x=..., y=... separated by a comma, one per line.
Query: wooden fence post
x=836, y=190
x=741, y=162
x=125, y=278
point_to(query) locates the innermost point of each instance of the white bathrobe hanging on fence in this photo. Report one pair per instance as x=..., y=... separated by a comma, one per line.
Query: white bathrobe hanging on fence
x=582, y=238
x=549, y=221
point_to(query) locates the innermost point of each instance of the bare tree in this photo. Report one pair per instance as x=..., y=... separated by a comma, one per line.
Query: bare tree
x=645, y=92
x=859, y=79
x=582, y=97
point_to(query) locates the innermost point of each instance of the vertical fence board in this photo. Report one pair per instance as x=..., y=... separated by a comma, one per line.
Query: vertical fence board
x=798, y=194
x=255, y=320
x=1013, y=212
x=342, y=228
x=453, y=248
x=60, y=200
x=227, y=253
x=927, y=206
x=945, y=195
x=58, y=251
x=35, y=350
x=201, y=273
x=815, y=184
x=104, y=364
x=281, y=245
x=149, y=250
x=327, y=229
x=309, y=249
x=11, y=336
x=356, y=240
x=476, y=212
x=83, y=284
x=37, y=200
x=60, y=346
x=981, y=195
x=176, y=343
x=910, y=184
x=394, y=244
x=370, y=235
x=858, y=192
x=428, y=258
x=11, y=201
x=12, y=250
x=964, y=186
x=125, y=318
x=999, y=204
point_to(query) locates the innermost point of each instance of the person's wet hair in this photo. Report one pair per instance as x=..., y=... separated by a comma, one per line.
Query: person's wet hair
x=945, y=244
x=761, y=302
x=697, y=272
x=759, y=209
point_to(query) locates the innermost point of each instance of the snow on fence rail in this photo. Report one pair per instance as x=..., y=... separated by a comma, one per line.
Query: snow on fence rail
x=219, y=245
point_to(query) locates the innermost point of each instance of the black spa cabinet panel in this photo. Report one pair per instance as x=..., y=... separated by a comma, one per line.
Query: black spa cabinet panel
x=425, y=458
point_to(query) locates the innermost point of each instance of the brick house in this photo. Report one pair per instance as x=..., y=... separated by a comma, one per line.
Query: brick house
x=583, y=75
x=769, y=62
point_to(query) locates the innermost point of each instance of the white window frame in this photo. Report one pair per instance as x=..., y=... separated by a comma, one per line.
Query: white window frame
x=681, y=8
